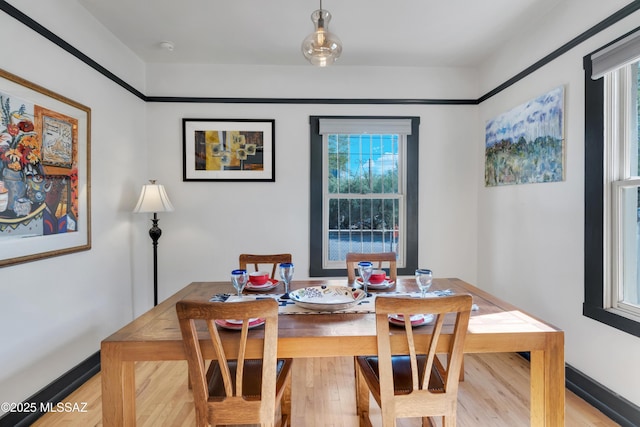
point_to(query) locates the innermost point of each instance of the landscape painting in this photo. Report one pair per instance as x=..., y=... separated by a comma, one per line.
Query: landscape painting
x=526, y=144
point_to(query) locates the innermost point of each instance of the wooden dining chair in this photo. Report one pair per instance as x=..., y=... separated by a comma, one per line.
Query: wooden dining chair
x=240, y=390
x=257, y=260
x=414, y=382
x=383, y=259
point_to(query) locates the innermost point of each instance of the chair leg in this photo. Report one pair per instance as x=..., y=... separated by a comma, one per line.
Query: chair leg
x=428, y=422
x=285, y=404
x=362, y=398
x=449, y=421
x=357, y=379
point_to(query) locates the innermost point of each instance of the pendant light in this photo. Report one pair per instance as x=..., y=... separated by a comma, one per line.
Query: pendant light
x=321, y=47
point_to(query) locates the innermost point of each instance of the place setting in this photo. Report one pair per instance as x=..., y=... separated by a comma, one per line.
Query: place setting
x=259, y=281
x=377, y=281
x=239, y=280
x=424, y=279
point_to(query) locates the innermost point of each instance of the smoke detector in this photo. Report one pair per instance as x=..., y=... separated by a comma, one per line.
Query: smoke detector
x=168, y=46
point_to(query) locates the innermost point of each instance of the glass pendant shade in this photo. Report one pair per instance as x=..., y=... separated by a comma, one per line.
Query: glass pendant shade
x=321, y=47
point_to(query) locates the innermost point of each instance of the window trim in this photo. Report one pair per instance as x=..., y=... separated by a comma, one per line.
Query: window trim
x=316, y=197
x=594, y=305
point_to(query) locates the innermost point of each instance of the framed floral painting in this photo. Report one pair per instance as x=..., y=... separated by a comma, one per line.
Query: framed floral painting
x=228, y=150
x=44, y=173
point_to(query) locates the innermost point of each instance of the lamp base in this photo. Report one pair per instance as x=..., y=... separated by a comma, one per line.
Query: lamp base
x=155, y=233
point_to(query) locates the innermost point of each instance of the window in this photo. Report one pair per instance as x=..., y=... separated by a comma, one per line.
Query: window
x=364, y=190
x=612, y=185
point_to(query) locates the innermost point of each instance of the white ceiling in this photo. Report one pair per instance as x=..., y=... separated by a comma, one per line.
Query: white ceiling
x=373, y=32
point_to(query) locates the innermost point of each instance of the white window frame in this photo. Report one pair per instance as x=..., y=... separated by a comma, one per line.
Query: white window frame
x=363, y=127
x=620, y=143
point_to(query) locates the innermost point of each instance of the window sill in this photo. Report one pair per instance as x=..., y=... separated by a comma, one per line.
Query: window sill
x=613, y=318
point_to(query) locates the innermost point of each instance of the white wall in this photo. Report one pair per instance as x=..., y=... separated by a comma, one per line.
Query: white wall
x=55, y=312
x=531, y=244
x=214, y=221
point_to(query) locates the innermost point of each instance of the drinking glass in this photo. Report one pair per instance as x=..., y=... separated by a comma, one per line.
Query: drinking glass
x=286, y=274
x=239, y=279
x=365, y=268
x=424, y=277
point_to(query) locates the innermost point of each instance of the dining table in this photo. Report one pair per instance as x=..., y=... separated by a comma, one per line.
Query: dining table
x=495, y=326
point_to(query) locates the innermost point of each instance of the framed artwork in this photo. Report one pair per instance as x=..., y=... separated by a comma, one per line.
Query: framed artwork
x=44, y=173
x=526, y=144
x=228, y=150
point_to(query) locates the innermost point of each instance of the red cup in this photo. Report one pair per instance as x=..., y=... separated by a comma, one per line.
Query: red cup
x=377, y=277
x=258, y=278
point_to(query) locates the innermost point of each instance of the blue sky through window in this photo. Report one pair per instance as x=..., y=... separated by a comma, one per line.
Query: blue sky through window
x=378, y=153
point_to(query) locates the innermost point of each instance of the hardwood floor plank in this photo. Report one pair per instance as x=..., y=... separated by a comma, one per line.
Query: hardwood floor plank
x=495, y=393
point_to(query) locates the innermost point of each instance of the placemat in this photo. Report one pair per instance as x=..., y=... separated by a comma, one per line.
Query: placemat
x=287, y=306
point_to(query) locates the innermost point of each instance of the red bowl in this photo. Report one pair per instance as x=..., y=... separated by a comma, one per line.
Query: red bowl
x=377, y=277
x=258, y=277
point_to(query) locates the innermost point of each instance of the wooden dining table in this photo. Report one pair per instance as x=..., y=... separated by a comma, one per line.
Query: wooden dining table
x=496, y=326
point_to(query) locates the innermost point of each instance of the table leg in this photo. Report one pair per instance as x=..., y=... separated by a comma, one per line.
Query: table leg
x=548, y=383
x=555, y=386
x=537, y=388
x=118, y=387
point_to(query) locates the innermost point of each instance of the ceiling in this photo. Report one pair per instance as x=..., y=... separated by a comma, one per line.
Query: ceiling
x=420, y=33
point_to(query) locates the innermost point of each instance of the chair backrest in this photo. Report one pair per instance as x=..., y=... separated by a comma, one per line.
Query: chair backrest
x=383, y=259
x=419, y=400
x=230, y=404
x=256, y=260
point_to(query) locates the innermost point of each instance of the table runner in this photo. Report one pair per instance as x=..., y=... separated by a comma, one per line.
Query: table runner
x=367, y=305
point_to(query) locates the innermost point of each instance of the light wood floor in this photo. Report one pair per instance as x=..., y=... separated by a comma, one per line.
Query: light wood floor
x=495, y=393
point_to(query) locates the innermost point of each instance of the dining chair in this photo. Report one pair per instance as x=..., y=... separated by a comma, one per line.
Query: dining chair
x=414, y=382
x=257, y=260
x=240, y=390
x=383, y=260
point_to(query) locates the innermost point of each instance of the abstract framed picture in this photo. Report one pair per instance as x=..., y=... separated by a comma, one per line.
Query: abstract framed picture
x=526, y=144
x=228, y=150
x=44, y=173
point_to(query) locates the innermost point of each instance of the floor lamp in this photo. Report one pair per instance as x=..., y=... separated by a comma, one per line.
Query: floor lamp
x=153, y=198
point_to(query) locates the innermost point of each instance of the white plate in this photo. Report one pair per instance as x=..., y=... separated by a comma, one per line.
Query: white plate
x=416, y=319
x=384, y=285
x=271, y=283
x=237, y=324
x=327, y=298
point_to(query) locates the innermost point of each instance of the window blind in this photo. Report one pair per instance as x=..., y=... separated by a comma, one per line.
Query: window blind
x=368, y=126
x=618, y=54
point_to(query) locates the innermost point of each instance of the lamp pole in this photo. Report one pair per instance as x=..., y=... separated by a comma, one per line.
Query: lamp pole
x=155, y=233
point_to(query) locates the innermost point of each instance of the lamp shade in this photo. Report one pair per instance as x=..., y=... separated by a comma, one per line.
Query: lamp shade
x=153, y=198
x=321, y=48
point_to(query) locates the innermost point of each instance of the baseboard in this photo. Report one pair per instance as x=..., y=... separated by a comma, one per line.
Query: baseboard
x=53, y=393
x=606, y=401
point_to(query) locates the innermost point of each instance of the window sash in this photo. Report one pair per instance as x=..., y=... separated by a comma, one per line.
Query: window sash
x=621, y=214
x=390, y=238
x=398, y=194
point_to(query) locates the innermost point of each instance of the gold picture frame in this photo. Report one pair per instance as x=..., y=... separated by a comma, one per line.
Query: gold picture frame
x=45, y=179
